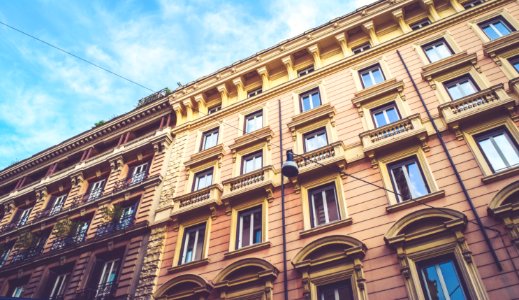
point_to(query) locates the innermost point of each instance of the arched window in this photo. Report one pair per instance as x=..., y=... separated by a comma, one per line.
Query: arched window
x=331, y=268
x=434, y=256
x=184, y=287
x=505, y=206
x=249, y=278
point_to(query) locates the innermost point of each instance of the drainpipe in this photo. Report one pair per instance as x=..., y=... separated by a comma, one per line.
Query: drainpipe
x=285, y=279
x=453, y=166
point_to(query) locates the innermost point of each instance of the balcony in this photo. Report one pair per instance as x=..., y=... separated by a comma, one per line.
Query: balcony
x=86, y=198
x=391, y=134
x=63, y=243
x=262, y=179
x=124, y=184
x=332, y=154
x=26, y=254
x=49, y=212
x=210, y=196
x=112, y=227
x=448, y=64
x=473, y=106
x=102, y=292
x=494, y=48
x=7, y=227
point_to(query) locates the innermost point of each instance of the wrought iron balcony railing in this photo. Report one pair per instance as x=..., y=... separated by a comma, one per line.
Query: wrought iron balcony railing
x=114, y=226
x=7, y=227
x=101, y=292
x=62, y=243
x=129, y=182
x=26, y=254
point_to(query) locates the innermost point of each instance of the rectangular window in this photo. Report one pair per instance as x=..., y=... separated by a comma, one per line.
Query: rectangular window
x=471, y=4
x=310, y=100
x=249, y=227
x=437, y=50
x=4, y=254
x=138, y=173
x=315, y=140
x=80, y=231
x=361, y=48
x=385, y=115
x=108, y=278
x=96, y=190
x=420, y=24
x=126, y=216
x=440, y=279
x=499, y=149
x=496, y=28
x=461, y=87
x=17, y=292
x=514, y=61
x=24, y=217
x=323, y=205
x=335, y=291
x=407, y=179
x=209, y=139
x=371, y=76
x=254, y=92
x=203, y=179
x=253, y=121
x=305, y=71
x=58, y=286
x=192, y=244
x=252, y=162
x=57, y=204
x=213, y=109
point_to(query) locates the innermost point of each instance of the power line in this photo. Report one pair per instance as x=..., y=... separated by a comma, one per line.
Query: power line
x=75, y=56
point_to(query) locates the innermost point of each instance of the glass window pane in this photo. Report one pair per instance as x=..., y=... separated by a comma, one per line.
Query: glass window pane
x=392, y=115
x=490, y=32
x=433, y=288
x=501, y=28
x=380, y=119
x=245, y=234
x=306, y=103
x=417, y=184
x=366, y=79
x=507, y=149
x=317, y=208
x=377, y=74
x=331, y=201
x=400, y=183
x=316, y=100
x=257, y=227
x=492, y=155
x=452, y=282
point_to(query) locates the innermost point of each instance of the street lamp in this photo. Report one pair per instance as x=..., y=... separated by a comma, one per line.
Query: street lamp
x=289, y=168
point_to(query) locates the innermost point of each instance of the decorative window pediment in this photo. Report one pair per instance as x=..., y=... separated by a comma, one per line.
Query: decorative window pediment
x=186, y=286
x=213, y=153
x=505, y=206
x=263, y=135
x=325, y=111
x=455, y=61
x=493, y=48
x=332, y=259
x=250, y=278
x=378, y=91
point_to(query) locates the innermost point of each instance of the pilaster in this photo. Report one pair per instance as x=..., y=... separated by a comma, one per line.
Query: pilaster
x=456, y=5
x=201, y=103
x=316, y=54
x=398, y=15
x=369, y=27
x=431, y=10
x=343, y=42
x=238, y=82
x=289, y=64
x=265, y=81
x=224, y=94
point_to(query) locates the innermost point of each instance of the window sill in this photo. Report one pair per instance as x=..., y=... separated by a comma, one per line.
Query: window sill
x=325, y=228
x=501, y=175
x=415, y=202
x=247, y=249
x=190, y=265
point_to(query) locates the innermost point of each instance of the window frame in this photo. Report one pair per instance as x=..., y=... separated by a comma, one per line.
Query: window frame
x=206, y=134
x=383, y=108
x=254, y=92
x=369, y=70
x=420, y=24
x=62, y=286
x=253, y=155
x=399, y=164
x=361, y=48
x=309, y=93
x=204, y=173
x=213, y=109
x=455, y=81
x=24, y=214
x=472, y=3
x=434, y=43
x=514, y=60
x=315, y=132
x=336, y=294
x=491, y=133
x=186, y=231
x=500, y=18
x=305, y=71
x=254, y=115
x=251, y=211
x=322, y=190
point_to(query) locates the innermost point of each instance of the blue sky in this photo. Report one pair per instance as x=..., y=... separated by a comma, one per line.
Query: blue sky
x=47, y=96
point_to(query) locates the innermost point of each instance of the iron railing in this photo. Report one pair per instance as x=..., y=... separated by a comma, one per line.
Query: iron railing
x=154, y=97
x=62, y=243
x=26, y=254
x=129, y=182
x=114, y=226
x=102, y=292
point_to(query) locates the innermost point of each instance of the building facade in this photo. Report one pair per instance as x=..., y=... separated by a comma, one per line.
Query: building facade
x=402, y=117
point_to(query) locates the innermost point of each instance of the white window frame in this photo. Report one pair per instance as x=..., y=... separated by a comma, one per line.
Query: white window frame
x=491, y=134
x=202, y=175
x=434, y=46
x=361, y=48
x=58, y=288
x=254, y=92
x=249, y=212
x=322, y=190
x=305, y=71
x=256, y=118
x=206, y=135
x=456, y=83
x=384, y=109
x=401, y=165
x=420, y=24
x=252, y=157
x=24, y=217
x=309, y=94
x=370, y=70
x=196, y=229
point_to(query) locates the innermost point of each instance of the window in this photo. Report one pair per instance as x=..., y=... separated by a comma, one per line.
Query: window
x=80, y=231
x=213, y=109
x=305, y=71
x=253, y=121
x=323, y=205
x=58, y=286
x=335, y=291
x=315, y=140
x=420, y=24
x=514, y=61
x=209, y=139
x=252, y=162
x=496, y=28
x=126, y=217
x=249, y=227
x=361, y=48
x=192, y=244
x=4, y=253
x=96, y=190
x=17, y=291
x=57, y=204
x=108, y=278
x=385, y=115
x=138, y=173
x=440, y=279
x=499, y=149
x=310, y=100
x=203, y=179
x=473, y=3
x=407, y=179
x=461, y=87
x=437, y=50
x=371, y=76
x=24, y=214
x=254, y=93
